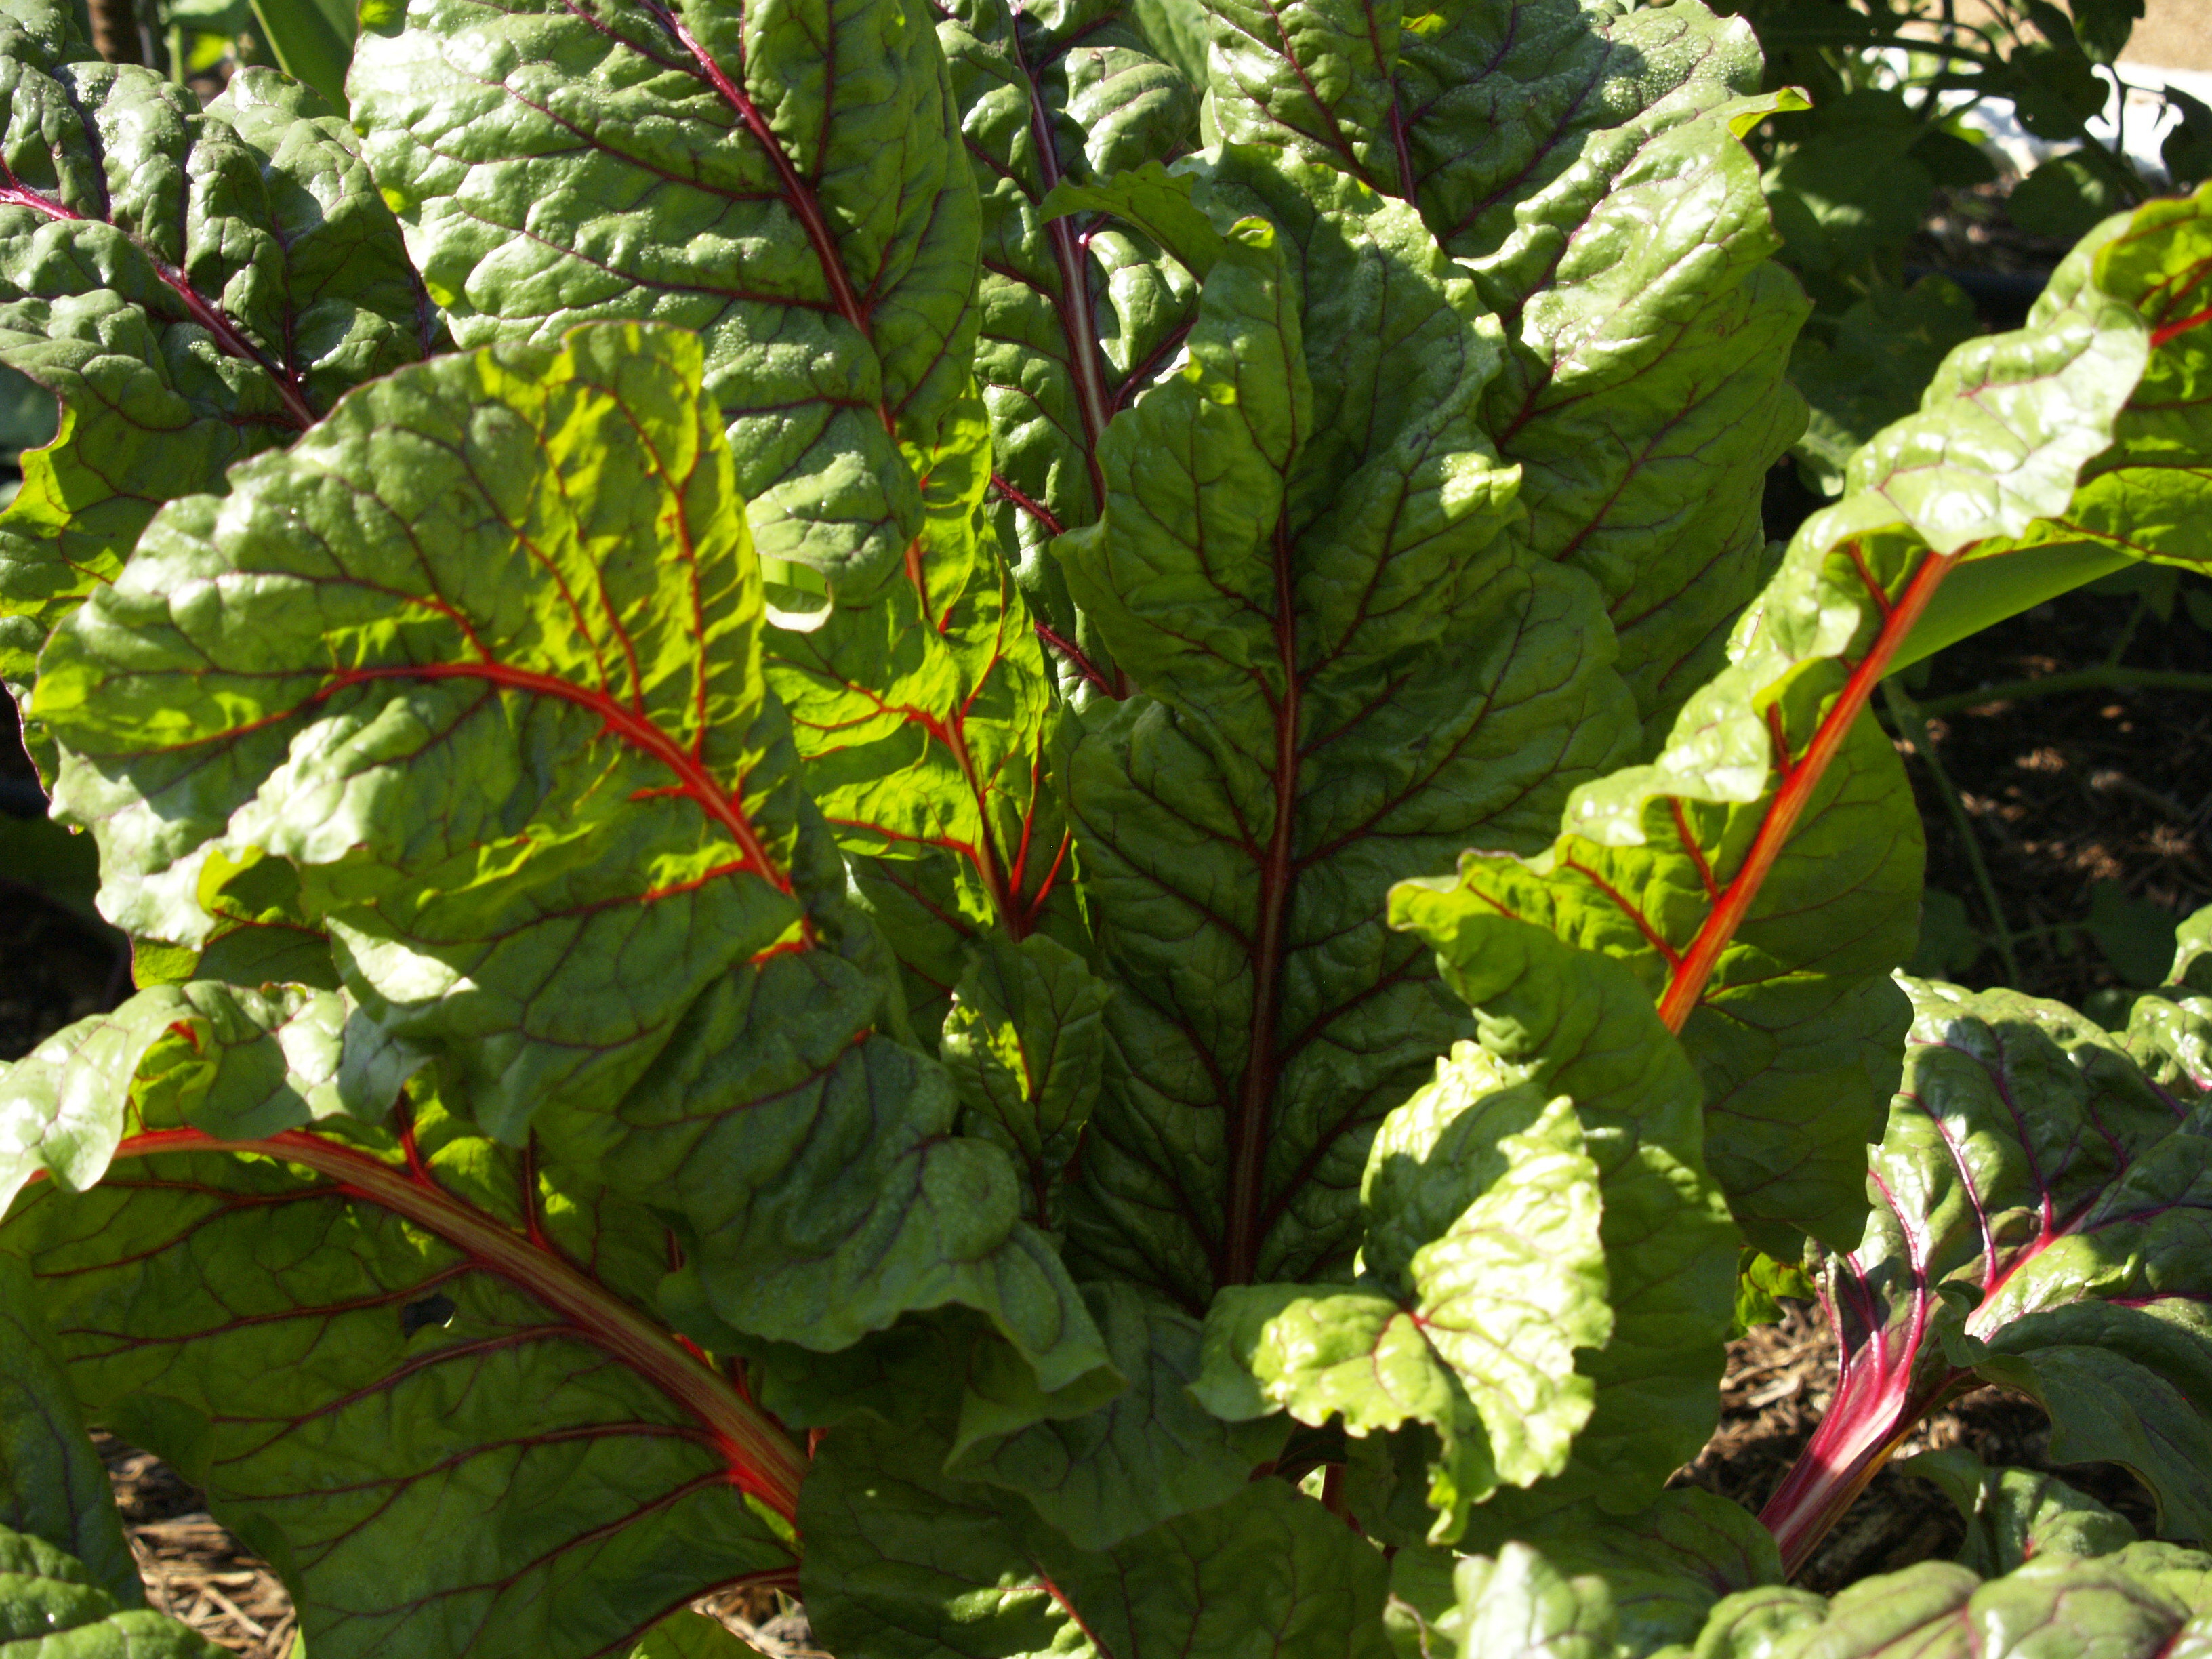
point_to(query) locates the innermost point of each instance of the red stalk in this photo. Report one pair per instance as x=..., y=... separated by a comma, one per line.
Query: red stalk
x=762, y=1460
x=1800, y=777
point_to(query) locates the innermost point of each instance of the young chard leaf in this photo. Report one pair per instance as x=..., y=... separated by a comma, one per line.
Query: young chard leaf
x=438, y=658
x=1482, y=1275
x=1024, y=1044
x=194, y=286
x=1583, y=161
x=1345, y=673
x=707, y=165
x=1759, y=875
x=900, y=1559
x=1560, y=1022
x=2043, y=1219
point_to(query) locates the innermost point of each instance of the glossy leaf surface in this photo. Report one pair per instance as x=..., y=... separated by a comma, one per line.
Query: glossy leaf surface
x=437, y=657
x=1562, y=1021
x=194, y=286
x=1348, y=675
x=811, y=216
x=1482, y=1274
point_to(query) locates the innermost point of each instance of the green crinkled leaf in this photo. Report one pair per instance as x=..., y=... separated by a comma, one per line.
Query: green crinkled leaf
x=2043, y=1219
x=1582, y=158
x=53, y=1486
x=438, y=658
x=1795, y=1036
x=52, y=1608
x=1345, y=674
x=2148, y=495
x=194, y=286
x=225, y=1060
x=1518, y=1606
x=1795, y=1029
x=1569, y=1023
x=2015, y=1515
x=1483, y=1273
x=1761, y=1283
x=1152, y=199
x=1664, y=1568
x=395, y=1302
x=2148, y=1601
x=1078, y=314
x=902, y=1561
x=921, y=715
x=709, y=166
x=1149, y=1455
x=1025, y=1044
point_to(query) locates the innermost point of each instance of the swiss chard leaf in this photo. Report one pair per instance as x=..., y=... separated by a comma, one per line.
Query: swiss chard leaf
x=2147, y=1602
x=194, y=286
x=50, y=1606
x=393, y=1298
x=1345, y=672
x=1148, y=1455
x=1078, y=314
x=2013, y=1515
x=2148, y=495
x=2043, y=1219
x=1759, y=874
x=1563, y=1022
x=1582, y=160
x=902, y=1560
x=438, y=658
x=1482, y=1274
x=923, y=717
x=810, y=213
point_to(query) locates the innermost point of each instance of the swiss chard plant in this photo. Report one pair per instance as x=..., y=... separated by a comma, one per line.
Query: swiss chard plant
x=773, y=694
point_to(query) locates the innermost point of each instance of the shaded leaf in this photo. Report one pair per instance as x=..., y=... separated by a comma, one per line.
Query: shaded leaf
x=1025, y=1044
x=53, y=1486
x=1149, y=1455
x=2015, y=1515
x=50, y=1605
x=901, y=1560
x=378, y=1461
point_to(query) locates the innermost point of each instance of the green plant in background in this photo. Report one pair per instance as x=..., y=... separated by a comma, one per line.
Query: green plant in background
x=1891, y=82
x=773, y=696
